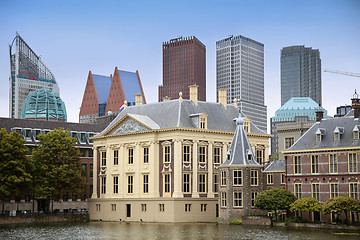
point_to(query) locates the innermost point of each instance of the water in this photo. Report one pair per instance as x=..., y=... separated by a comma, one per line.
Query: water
x=152, y=231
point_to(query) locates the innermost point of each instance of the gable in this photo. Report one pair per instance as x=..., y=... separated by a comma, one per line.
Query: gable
x=89, y=98
x=116, y=95
x=130, y=126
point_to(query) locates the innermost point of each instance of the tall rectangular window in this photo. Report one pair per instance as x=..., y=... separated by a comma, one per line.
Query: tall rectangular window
x=297, y=190
x=202, y=154
x=130, y=155
x=146, y=155
x=216, y=182
x=260, y=156
x=237, y=177
x=314, y=163
x=103, y=185
x=167, y=154
x=354, y=190
x=289, y=142
x=103, y=159
x=223, y=199
x=202, y=183
x=254, y=178
x=297, y=165
x=146, y=183
x=334, y=190
x=167, y=183
x=253, y=198
x=238, y=199
x=116, y=157
x=333, y=164
x=223, y=178
x=315, y=191
x=283, y=178
x=270, y=178
x=116, y=184
x=352, y=162
x=186, y=182
x=186, y=154
x=130, y=184
x=217, y=155
x=202, y=122
x=91, y=170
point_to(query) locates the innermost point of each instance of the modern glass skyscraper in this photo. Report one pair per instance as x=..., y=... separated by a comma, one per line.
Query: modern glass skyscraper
x=240, y=70
x=300, y=73
x=27, y=73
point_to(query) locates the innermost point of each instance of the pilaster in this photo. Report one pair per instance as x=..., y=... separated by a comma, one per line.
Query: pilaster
x=195, y=193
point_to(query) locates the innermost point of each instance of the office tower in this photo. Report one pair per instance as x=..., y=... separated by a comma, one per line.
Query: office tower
x=184, y=64
x=105, y=94
x=240, y=70
x=27, y=73
x=300, y=73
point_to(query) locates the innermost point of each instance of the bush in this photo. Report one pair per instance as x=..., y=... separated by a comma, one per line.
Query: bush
x=235, y=221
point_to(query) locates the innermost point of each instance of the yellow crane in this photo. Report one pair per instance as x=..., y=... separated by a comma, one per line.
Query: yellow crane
x=342, y=73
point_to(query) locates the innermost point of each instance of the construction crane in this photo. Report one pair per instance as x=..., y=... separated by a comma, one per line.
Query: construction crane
x=342, y=73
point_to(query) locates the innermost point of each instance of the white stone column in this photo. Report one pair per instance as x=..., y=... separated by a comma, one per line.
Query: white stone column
x=109, y=180
x=95, y=175
x=210, y=165
x=195, y=193
x=122, y=170
x=154, y=169
x=137, y=171
x=177, y=169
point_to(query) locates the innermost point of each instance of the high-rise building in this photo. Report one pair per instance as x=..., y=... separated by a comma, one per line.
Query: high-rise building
x=240, y=70
x=300, y=73
x=184, y=64
x=27, y=73
x=105, y=94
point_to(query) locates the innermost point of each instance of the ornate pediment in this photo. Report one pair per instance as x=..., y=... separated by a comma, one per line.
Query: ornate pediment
x=130, y=126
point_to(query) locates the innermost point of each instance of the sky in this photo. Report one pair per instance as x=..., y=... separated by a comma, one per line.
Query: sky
x=73, y=37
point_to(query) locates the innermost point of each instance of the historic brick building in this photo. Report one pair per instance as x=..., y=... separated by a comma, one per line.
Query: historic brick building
x=103, y=94
x=29, y=129
x=184, y=64
x=324, y=162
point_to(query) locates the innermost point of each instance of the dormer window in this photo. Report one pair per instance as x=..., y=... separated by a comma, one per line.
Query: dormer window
x=356, y=133
x=319, y=134
x=337, y=133
x=249, y=155
x=203, y=121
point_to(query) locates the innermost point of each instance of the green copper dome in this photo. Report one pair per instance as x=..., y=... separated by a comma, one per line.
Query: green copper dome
x=44, y=104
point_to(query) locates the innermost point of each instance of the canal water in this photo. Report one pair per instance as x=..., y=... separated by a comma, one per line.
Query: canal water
x=167, y=231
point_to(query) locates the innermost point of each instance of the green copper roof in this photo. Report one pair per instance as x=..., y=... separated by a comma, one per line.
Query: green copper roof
x=44, y=104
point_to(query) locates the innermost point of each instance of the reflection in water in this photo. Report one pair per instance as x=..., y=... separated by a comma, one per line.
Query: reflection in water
x=155, y=231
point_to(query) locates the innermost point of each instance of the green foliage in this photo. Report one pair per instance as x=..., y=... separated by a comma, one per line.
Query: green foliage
x=342, y=204
x=57, y=165
x=235, y=221
x=274, y=157
x=274, y=199
x=15, y=167
x=305, y=204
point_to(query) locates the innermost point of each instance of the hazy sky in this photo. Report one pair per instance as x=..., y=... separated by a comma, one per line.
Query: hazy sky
x=74, y=37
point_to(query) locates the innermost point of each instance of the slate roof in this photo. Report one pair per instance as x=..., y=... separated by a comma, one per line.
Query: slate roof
x=174, y=113
x=102, y=86
x=327, y=128
x=240, y=152
x=275, y=166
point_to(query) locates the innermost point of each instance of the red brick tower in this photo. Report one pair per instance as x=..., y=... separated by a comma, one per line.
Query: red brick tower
x=90, y=102
x=184, y=64
x=116, y=95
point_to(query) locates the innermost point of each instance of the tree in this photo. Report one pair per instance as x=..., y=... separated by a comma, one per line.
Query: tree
x=274, y=199
x=15, y=167
x=341, y=204
x=274, y=157
x=57, y=165
x=306, y=204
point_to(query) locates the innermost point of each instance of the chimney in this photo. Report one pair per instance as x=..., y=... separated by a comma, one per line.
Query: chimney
x=319, y=115
x=355, y=104
x=138, y=99
x=166, y=98
x=194, y=93
x=222, y=97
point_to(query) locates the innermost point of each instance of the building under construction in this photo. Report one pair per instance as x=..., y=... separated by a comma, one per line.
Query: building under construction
x=27, y=73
